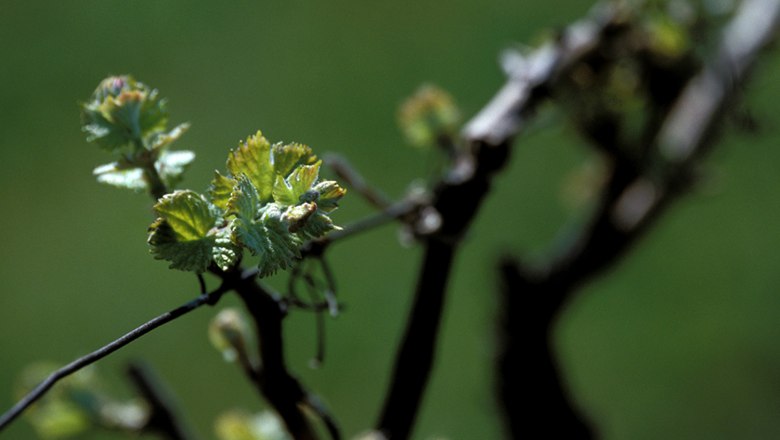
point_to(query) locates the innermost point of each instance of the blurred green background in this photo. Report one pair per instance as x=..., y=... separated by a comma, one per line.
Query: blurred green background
x=680, y=341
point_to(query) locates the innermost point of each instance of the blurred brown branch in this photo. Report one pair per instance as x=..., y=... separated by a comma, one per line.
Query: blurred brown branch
x=632, y=199
x=163, y=418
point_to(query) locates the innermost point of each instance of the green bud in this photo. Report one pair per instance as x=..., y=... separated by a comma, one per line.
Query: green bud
x=128, y=416
x=428, y=115
x=123, y=113
x=240, y=425
x=371, y=435
x=112, y=86
x=297, y=215
x=667, y=38
x=229, y=333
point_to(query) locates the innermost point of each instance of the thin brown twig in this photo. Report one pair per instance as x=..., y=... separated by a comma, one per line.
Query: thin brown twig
x=395, y=211
x=354, y=180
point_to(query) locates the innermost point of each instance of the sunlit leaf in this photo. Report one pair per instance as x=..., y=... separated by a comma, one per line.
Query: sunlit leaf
x=188, y=213
x=287, y=156
x=104, y=132
x=57, y=415
x=244, y=200
x=172, y=164
x=181, y=235
x=220, y=189
x=288, y=191
x=118, y=175
x=253, y=159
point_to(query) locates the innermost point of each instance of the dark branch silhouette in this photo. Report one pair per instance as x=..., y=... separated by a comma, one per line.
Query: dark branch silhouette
x=456, y=200
x=163, y=418
x=283, y=391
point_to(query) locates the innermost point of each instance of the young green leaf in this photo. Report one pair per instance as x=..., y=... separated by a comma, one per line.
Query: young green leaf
x=267, y=236
x=57, y=415
x=121, y=175
x=100, y=128
x=188, y=213
x=183, y=233
x=290, y=190
x=225, y=253
x=220, y=189
x=270, y=200
x=253, y=159
x=172, y=164
x=102, y=131
x=244, y=200
x=288, y=156
x=123, y=112
x=128, y=117
x=161, y=140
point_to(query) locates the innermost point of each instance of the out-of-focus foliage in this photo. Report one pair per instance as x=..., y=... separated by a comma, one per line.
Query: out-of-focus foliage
x=77, y=405
x=429, y=116
x=129, y=118
x=240, y=425
x=230, y=334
